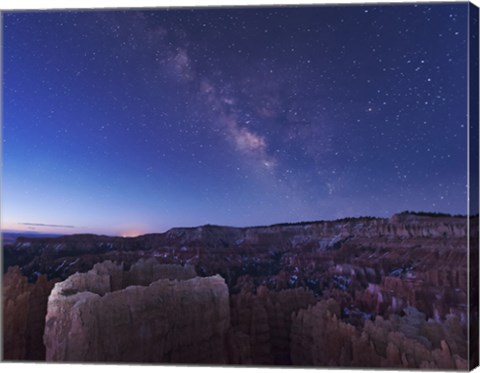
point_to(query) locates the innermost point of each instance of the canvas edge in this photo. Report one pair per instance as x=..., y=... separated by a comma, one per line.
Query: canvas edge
x=473, y=183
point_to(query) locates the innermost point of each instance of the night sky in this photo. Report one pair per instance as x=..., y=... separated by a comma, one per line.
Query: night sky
x=135, y=121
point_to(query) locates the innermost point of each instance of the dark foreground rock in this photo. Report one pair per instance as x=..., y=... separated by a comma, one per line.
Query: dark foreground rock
x=320, y=338
x=24, y=310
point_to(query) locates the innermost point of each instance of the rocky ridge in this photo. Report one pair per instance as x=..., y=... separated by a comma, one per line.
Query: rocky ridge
x=375, y=270
x=317, y=236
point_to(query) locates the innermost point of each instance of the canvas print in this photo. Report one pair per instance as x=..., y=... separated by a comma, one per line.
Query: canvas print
x=251, y=186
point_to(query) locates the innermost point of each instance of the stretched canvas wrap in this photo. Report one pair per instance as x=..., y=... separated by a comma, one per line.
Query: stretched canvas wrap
x=252, y=186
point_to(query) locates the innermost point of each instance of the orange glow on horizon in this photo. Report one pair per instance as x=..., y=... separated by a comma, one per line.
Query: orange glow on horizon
x=67, y=230
x=132, y=233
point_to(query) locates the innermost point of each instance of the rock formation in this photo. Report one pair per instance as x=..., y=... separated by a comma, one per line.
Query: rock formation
x=140, y=315
x=63, y=256
x=320, y=338
x=265, y=317
x=24, y=309
x=372, y=269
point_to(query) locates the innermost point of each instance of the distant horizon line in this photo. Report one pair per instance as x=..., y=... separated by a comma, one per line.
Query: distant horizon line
x=405, y=212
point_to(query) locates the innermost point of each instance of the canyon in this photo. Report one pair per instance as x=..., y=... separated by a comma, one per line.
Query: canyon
x=358, y=292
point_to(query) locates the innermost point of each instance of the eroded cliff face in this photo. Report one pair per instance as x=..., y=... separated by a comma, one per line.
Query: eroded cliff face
x=94, y=317
x=265, y=318
x=24, y=309
x=209, y=247
x=376, y=271
x=321, y=338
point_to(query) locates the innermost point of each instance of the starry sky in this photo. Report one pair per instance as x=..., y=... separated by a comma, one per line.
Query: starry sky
x=135, y=121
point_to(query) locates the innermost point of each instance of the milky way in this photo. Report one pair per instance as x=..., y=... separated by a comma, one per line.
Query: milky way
x=141, y=120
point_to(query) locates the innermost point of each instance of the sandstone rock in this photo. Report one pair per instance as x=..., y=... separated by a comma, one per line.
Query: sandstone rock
x=400, y=283
x=239, y=351
x=24, y=309
x=92, y=318
x=319, y=338
x=265, y=317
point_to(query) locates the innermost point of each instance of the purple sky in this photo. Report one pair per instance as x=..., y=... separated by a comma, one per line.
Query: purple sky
x=126, y=122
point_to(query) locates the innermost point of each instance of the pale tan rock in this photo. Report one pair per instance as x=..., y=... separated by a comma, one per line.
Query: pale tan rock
x=184, y=321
